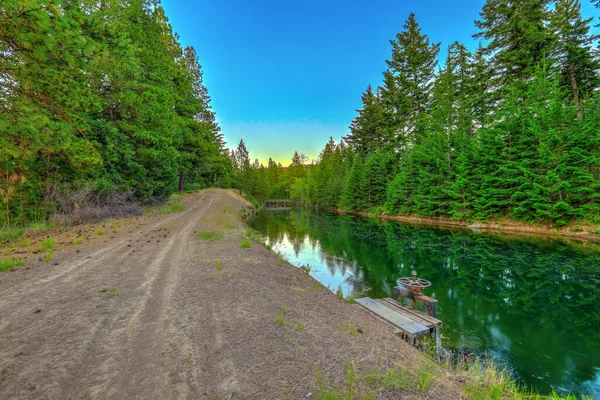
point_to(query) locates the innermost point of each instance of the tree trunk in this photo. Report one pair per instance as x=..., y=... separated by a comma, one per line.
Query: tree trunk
x=181, y=181
x=575, y=90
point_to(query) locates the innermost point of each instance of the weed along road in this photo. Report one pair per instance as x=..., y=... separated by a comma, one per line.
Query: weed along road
x=177, y=305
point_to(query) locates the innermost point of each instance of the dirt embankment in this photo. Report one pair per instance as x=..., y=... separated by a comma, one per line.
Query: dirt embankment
x=157, y=312
x=582, y=233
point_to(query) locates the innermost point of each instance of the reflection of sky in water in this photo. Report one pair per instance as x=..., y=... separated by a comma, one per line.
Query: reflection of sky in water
x=329, y=276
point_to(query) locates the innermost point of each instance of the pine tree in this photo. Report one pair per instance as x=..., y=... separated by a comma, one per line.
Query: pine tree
x=366, y=134
x=408, y=82
x=353, y=196
x=296, y=168
x=577, y=63
x=44, y=53
x=241, y=162
x=517, y=37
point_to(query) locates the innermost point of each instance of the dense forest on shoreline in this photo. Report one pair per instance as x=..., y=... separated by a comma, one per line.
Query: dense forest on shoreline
x=98, y=98
x=511, y=130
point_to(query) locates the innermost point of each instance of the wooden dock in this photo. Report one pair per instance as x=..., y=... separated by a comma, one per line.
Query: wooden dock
x=279, y=204
x=411, y=323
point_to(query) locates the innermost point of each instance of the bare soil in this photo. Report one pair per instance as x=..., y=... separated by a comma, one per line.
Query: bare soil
x=179, y=327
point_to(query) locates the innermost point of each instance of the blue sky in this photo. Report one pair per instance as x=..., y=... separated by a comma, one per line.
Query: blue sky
x=285, y=75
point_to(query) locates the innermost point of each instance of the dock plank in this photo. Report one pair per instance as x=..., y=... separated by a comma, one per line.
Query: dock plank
x=420, y=317
x=395, y=318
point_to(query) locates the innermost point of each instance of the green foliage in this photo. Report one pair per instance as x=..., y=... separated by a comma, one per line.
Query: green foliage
x=281, y=316
x=6, y=264
x=103, y=96
x=113, y=293
x=245, y=244
x=173, y=208
x=10, y=235
x=473, y=141
x=218, y=265
x=210, y=236
x=48, y=243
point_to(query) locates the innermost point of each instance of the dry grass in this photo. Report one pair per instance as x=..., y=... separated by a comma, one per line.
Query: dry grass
x=76, y=206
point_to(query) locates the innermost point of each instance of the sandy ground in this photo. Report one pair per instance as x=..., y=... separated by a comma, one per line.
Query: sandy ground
x=179, y=327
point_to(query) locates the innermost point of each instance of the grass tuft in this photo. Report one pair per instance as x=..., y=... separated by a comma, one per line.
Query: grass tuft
x=218, y=265
x=281, y=318
x=306, y=268
x=299, y=326
x=424, y=376
x=100, y=232
x=48, y=256
x=246, y=244
x=173, y=208
x=281, y=315
x=393, y=378
x=48, y=243
x=210, y=236
x=113, y=293
x=6, y=264
x=349, y=328
x=78, y=240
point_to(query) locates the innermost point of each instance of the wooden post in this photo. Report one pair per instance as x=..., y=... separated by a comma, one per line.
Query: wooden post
x=429, y=302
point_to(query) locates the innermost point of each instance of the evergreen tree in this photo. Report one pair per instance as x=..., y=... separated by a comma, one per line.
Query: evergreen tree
x=241, y=162
x=573, y=51
x=408, y=82
x=353, y=196
x=517, y=37
x=296, y=169
x=366, y=134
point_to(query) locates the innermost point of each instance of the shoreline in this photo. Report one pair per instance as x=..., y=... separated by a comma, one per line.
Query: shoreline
x=509, y=227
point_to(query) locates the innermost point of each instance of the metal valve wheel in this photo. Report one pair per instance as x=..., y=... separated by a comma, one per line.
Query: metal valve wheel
x=413, y=283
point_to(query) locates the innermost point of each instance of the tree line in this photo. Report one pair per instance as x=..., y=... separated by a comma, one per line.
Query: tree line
x=509, y=130
x=100, y=93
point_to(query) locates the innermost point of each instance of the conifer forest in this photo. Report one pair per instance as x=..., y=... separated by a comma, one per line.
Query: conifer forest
x=510, y=130
x=102, y=95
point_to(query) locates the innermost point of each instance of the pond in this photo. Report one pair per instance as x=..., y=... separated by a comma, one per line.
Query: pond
x=532, y=304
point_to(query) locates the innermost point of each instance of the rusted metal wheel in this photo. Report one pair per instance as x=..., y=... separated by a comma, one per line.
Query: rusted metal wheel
x=414, y=284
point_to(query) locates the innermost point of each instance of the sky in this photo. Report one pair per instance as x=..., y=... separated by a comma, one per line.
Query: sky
x=285, y=75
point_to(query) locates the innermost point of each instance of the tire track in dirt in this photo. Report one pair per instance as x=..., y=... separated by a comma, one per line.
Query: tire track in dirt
x=25, y=333
x=181, y=328
x=146, y=331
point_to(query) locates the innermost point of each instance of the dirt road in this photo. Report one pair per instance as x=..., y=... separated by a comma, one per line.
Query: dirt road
x=148, y=315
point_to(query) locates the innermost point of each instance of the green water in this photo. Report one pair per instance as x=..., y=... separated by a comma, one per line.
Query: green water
x=531, y=304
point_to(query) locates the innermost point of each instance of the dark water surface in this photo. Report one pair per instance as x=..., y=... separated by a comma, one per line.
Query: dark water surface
x=532, y=304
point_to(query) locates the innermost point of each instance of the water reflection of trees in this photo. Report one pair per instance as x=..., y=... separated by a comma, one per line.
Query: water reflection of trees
x=533, y=301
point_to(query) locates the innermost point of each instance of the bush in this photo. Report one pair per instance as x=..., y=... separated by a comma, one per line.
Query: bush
x=252, y=200
x=74, y=206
